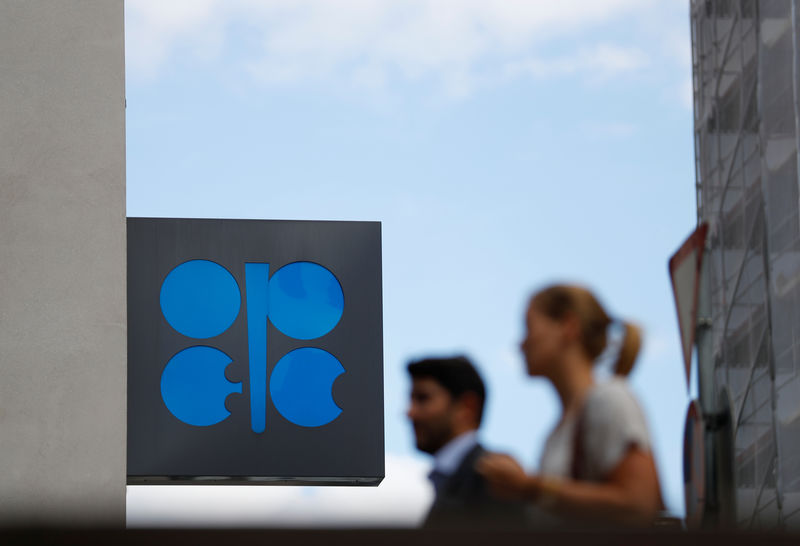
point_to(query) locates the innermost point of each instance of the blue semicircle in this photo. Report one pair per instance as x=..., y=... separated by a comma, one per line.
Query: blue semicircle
x=194, y=386
x=301, y=386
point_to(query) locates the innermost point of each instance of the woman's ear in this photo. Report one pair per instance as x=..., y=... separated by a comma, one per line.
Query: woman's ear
x=571, y=327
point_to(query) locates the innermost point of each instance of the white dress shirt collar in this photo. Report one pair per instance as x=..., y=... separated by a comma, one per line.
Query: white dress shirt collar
x=447, y=459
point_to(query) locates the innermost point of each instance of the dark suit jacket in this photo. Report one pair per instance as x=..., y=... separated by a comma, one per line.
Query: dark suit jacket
x=464, y=500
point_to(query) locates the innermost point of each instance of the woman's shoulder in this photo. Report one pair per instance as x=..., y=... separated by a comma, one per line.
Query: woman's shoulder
x=613, y=422
x=613, y=388
x=612, y=397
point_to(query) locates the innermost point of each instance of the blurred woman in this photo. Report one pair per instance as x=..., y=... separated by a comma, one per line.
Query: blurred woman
x=597, y=463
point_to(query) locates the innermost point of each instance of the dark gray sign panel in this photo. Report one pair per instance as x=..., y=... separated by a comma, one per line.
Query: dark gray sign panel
x=255, y=352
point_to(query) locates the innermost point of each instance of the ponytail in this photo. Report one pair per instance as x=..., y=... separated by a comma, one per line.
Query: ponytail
x=561, y=300
x=628, y=350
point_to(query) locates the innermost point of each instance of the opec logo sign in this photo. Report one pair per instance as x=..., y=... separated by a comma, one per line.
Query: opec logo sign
x=255, y=351
x=201, y=299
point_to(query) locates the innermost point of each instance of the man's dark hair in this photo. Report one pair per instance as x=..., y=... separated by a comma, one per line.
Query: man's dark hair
x=456, y=374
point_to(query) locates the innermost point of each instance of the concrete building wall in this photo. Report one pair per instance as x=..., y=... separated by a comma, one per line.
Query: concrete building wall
x=747, y=142
x=62, y=262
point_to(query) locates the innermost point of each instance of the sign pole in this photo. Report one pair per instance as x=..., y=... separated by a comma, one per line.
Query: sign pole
x=705, y=385
x=704, y=340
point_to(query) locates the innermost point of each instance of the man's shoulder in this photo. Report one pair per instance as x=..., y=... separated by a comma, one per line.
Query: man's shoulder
x=466, y=482
x=466, y=498
x=467, y=465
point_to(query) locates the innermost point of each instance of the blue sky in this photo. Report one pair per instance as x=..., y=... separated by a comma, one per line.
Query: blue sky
x=503, y=144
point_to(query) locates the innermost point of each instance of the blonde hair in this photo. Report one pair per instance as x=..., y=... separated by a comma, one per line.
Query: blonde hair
x=561, y=301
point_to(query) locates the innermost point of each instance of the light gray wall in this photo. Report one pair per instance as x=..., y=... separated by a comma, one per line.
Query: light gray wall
x=62, y=262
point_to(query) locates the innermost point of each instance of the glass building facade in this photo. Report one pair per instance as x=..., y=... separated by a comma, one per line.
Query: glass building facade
x=746, y=75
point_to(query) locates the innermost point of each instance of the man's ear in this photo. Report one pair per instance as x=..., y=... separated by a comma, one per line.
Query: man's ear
x=469, y=406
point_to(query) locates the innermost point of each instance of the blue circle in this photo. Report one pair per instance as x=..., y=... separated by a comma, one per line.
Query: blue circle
x=200, y=299
x=305, y=300
x=301, y=386
x=194, y=386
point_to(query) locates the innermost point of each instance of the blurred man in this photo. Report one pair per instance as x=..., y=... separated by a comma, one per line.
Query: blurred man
x=446, y=408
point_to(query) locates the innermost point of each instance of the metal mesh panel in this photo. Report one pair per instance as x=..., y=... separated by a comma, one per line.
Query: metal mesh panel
x=745, y=69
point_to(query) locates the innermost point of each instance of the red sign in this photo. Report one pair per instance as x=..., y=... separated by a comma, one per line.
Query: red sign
x=684, y=270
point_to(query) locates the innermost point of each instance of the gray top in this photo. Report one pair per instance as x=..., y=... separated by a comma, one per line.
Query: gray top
x=613, y=423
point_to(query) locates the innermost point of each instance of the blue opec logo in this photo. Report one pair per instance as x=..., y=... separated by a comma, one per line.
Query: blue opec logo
x=201, y=299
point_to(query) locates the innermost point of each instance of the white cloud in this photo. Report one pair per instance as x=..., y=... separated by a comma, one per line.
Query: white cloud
x=154, y=28
x=661, y=345
x=366, y=42
x=401, y=500
x=601, y=62
x=677, y=47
